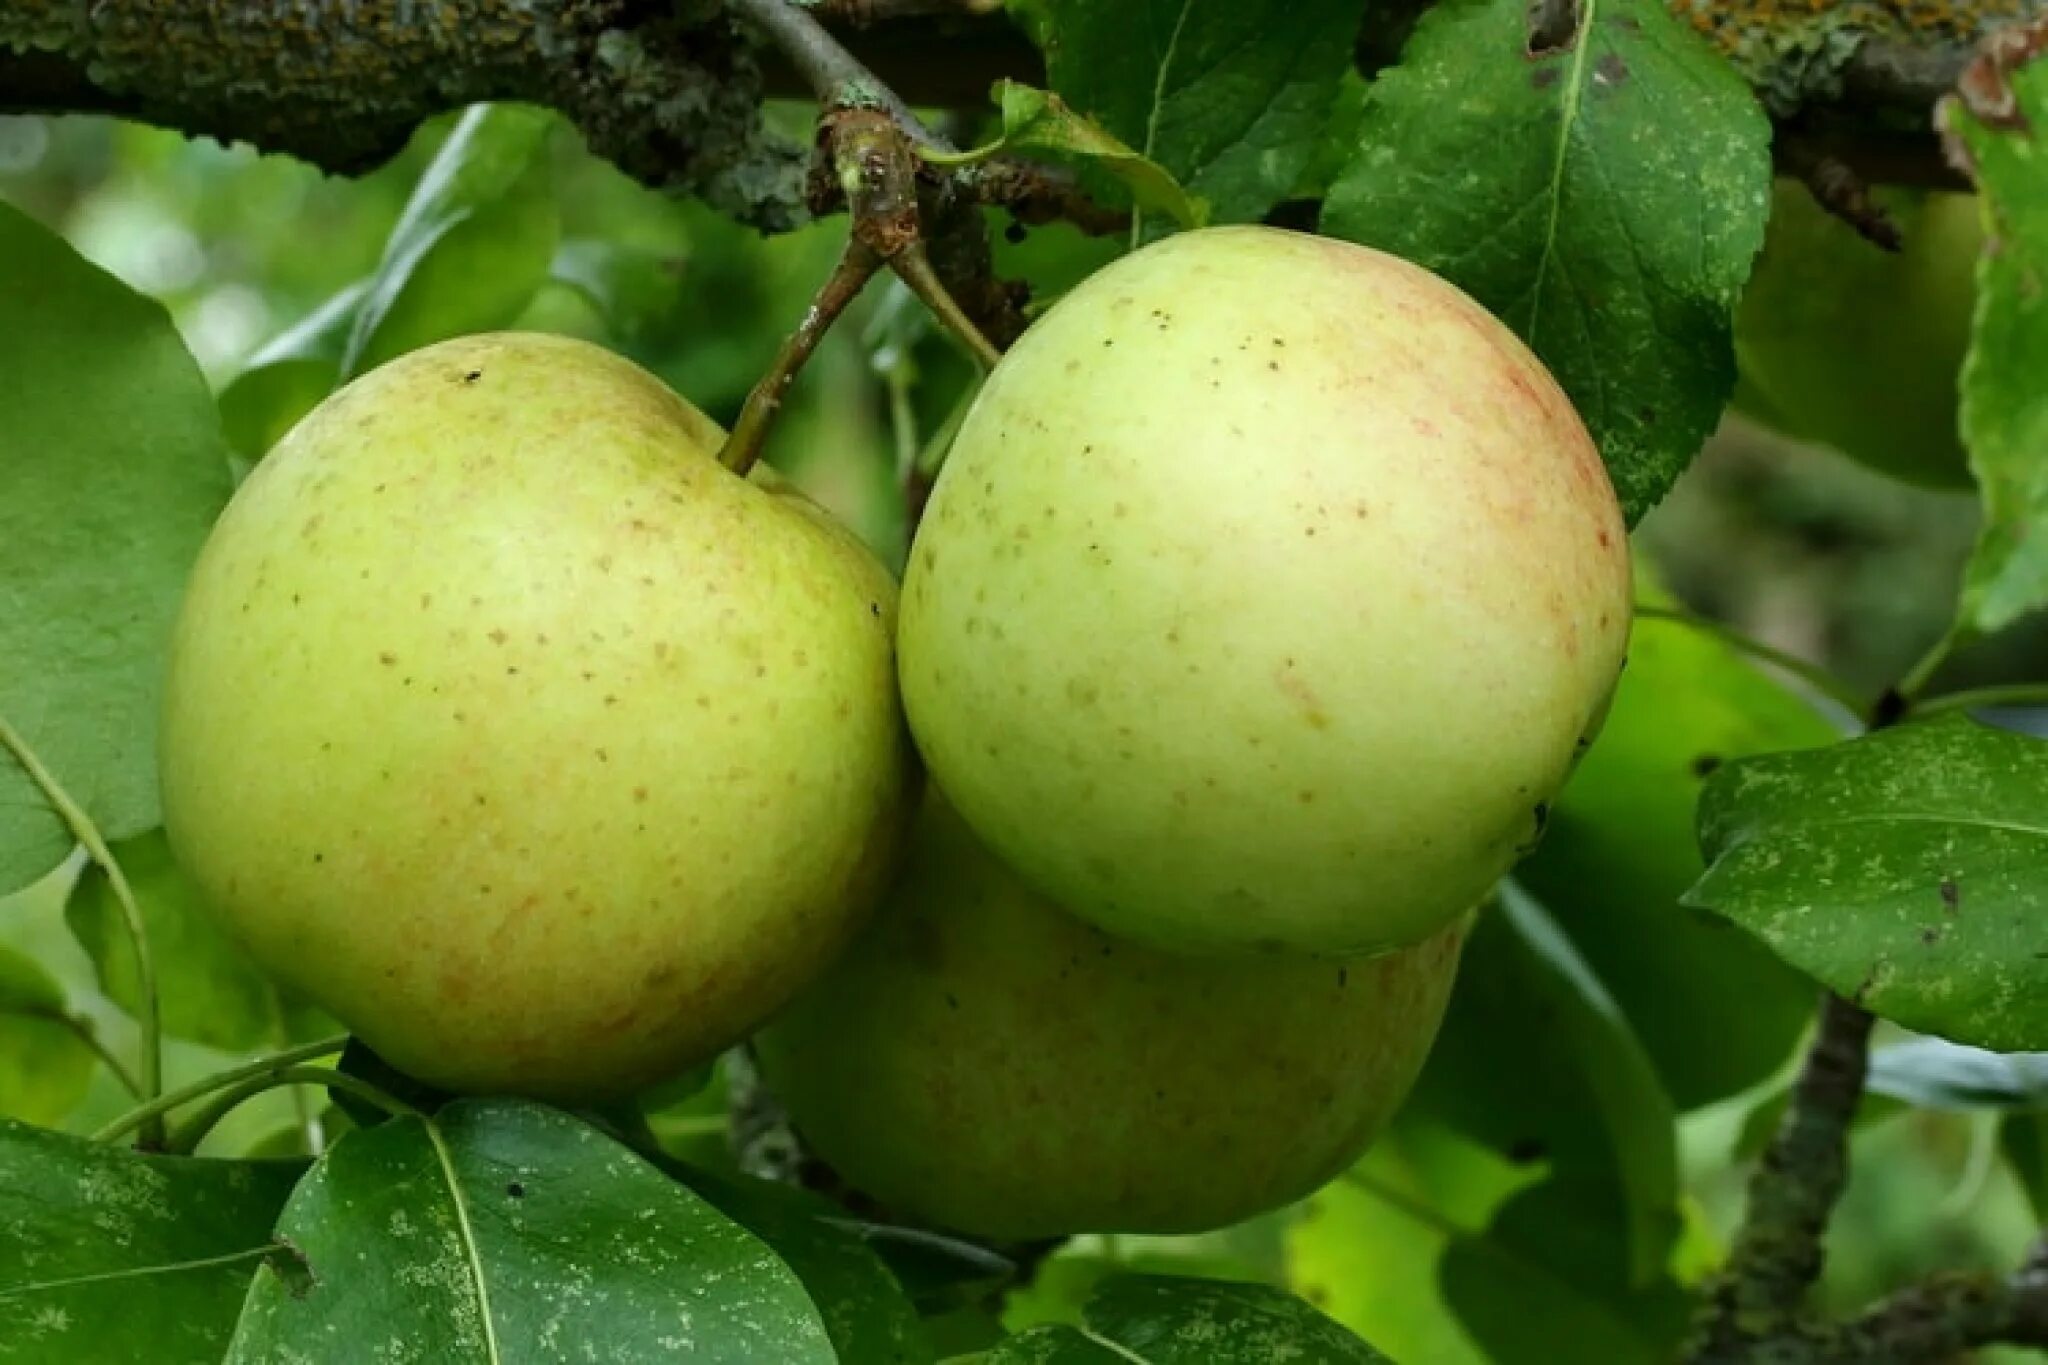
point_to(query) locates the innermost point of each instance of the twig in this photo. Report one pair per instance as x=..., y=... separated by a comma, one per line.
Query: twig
x=857, y=265
x=149, y=1078
x=193, y=1131
x=155, y=1109
x=1837, y=189
x=915, y=270
x=862, y=13
x=836, y=76
x=1759, y=1295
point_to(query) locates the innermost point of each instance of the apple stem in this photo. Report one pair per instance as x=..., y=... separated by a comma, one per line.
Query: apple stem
x=857, y=265
x=149, y=1080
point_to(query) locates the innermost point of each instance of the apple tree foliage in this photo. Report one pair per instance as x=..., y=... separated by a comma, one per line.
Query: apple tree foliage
x=1726, y=850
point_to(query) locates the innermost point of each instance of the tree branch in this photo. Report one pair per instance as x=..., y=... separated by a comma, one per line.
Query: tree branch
x=1760, y=1294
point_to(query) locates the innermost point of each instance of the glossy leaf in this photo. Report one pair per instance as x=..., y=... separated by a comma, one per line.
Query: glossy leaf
x=1604, y=198
x=865, y=1311
x=45, y=1066
x=2004, y=405
x=210, y=990
x=504, y=1231
x=1620, y=852
x=112, y=469
x=1907, y=871
x=1228, y=95
x=106, y=1255
x=473, y=244
x=1161, y=1320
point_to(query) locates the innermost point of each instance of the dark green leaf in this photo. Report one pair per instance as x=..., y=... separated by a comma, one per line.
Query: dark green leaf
x=1930, y=1073
x=1228, y=95
x=2023, y=1138
x=1620, y=852
x=1604, y=199
x=1550, y=1280
x=474, y=242
x=1907, y=871
x=288, y=376
x=111, y=472
x=1161, y=1320
x=209, y=989
x=45, y=1066
x=500, y=1230
x=864, y=1308
x=2005, y=405
x=1536, y=1062
x=110, y=1256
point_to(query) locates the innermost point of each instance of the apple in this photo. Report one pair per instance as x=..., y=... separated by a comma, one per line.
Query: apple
x=1841, y=342
x=981, y=1061
x=1267, y=595
x=511, y=728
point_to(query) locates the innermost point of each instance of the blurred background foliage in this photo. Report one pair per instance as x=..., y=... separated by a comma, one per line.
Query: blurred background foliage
x=1794, y=545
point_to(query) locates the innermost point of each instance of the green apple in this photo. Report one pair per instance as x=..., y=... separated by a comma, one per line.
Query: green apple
x=1265, y=599
x=981, y=1061
x=510, y=727
x=1841, y=342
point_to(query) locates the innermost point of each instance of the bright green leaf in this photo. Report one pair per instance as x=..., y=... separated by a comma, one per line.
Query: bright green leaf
x=2004, y=405
x=1228, y=95
x=209, y=990
x=1604, y=199
x=1620, y=852
x=474, y=243
x=111, y=473
x=504, y=1230
x=106, y=1255
x=1039, y=123
x=1906, y=871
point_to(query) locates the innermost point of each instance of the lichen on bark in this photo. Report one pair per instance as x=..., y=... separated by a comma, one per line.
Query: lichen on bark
x=671, y=93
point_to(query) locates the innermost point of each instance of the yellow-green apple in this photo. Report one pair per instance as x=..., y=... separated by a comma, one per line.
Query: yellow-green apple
x=982, y=1061
x=1265, y=599
x=509, y=726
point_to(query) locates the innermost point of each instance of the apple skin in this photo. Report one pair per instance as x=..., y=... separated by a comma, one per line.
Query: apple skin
x=1841, y=342
x=1265, y=599
x=513, y=730
x=983, y=1062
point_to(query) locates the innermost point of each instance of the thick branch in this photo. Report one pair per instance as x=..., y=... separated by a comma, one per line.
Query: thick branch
x=1759, y=1296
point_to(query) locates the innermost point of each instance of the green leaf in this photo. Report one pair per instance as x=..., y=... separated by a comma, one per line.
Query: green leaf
x=504, y=1230
x=1906, y=871
x=45, y=1066
x=288, y=376
x=1536, y=1062
x=1620, y=851
x=1604, y=199
x=633, y=288
x=1162, y=1320
x=1038, y=123
x=209, y=990
x=869, y=1319
x=106, y=1255
x=1930, y=1073
x=1551, y=1280
x=1229, y=96
x=111, y=472
x=474, y=243
x=2004, y=405
x=2023, y=1139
